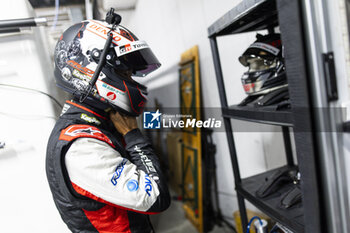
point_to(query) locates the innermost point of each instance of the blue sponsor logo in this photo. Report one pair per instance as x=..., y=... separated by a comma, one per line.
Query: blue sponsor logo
x=118, y=172
x=151, y=120
x=132, y=185
x=148, y=185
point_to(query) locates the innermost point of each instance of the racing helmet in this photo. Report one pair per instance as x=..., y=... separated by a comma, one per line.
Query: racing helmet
x=76, y=57
x=266, y=71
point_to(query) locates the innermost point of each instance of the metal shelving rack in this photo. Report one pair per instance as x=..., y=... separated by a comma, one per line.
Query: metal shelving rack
x=253, y=15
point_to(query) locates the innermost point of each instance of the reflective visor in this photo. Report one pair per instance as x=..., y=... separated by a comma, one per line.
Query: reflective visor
x=260, y=64
x=138, y=57
x=259, y=49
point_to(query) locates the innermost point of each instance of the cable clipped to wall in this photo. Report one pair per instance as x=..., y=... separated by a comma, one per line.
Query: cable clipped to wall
x=57, y=8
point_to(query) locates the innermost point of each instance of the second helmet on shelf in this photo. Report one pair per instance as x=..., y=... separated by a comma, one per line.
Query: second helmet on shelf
x=266, y=71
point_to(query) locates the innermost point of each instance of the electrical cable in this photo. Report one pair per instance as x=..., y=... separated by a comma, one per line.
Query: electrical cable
x=34, y=90
x=57, y=7
x=22, y=116
x=211, y=150
x=273, y=229
x=114, y=19
x=251, y=221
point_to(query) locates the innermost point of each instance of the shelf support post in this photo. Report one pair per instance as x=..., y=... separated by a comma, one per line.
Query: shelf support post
x=288, y=146
x=228, y=129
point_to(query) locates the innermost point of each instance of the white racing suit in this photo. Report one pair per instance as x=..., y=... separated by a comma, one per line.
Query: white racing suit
x=100, y=181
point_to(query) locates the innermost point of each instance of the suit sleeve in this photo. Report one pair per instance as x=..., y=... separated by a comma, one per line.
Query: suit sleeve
x=98, y=171
x=143, y=156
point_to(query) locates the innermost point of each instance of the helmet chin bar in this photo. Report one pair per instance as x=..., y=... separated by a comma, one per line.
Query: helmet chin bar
x=114, y=19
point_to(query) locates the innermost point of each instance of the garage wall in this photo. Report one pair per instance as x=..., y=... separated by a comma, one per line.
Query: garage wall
x=171, y=27
x=26, y=121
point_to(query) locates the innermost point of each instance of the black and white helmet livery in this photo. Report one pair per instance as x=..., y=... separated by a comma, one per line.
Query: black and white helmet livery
x=78, y=52
x=266, y=66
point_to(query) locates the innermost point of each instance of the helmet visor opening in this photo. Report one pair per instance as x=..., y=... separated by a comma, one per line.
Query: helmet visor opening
x=138, y=57
x=141, y=62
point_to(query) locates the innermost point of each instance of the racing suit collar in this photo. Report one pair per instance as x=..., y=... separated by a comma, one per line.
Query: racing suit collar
x=98, y=113
x=85, y=114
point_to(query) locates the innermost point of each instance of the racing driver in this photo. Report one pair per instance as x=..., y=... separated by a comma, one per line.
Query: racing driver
x=102, y=172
